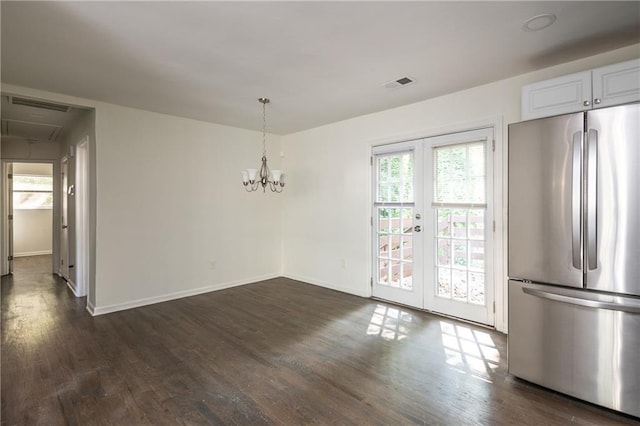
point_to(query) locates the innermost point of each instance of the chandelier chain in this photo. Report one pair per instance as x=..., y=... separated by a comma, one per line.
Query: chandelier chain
x=264, y=128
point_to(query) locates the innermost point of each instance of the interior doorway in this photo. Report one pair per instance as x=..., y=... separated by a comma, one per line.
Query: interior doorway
x=28, y=209
x=45, y=131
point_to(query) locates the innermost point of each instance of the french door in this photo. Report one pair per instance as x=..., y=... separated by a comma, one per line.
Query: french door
x=397, y=224
x=433, y=224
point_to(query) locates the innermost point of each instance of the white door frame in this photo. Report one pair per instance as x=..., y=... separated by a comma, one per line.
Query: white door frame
x=7, y=224
x=500, y=199
x=7, y=209
x=82, y=217
x=63, y=267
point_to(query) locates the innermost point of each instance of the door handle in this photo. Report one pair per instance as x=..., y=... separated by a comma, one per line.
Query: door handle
x=576, y=200
x=592, y=197
x=632, y=308
x=417, y=228
x=65, y=226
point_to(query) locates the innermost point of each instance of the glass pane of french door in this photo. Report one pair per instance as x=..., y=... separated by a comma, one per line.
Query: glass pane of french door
x=395, y=247
x=460, y=256
x=393, y=223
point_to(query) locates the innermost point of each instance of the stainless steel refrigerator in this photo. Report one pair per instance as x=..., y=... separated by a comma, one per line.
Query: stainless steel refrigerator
x=574, y=255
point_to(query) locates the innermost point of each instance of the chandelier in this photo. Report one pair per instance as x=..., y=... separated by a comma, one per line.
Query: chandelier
x=253, y=179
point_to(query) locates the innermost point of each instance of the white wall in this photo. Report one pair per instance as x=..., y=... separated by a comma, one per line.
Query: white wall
x=32, y=151
x=32, y=232
x=34, y=169
x=327, y=206
x=170, y=201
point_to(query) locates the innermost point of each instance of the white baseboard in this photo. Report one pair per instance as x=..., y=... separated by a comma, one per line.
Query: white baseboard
x=73, y=288
x=90, y=308
x=101, y=310
x=32, y=253
x=326, y=285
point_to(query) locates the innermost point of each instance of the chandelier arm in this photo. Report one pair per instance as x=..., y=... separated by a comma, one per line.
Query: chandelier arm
x=264, y=172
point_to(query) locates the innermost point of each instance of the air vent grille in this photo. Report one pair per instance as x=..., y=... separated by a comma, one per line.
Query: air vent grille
x=39, y=104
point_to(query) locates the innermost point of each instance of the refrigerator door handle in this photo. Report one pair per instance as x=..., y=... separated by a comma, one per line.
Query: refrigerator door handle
x=592, y=198
x=576, y=200
x=589, y=303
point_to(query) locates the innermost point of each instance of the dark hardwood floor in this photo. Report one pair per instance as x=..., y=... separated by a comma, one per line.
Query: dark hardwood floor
x=275, y=352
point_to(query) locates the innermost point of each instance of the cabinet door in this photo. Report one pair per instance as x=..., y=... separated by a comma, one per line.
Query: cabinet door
x=616, y=84
x=562, y=95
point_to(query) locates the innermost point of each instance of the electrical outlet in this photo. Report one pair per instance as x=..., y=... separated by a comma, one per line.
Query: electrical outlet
x=344, y=263
x=212, y=264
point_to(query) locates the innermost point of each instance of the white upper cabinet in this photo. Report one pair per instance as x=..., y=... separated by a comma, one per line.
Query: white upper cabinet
x=611, y=85
x=616, y=84
x=569, y=93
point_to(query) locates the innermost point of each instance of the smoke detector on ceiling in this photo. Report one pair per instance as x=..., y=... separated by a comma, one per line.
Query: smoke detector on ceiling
x=538, y=22
x=400, y=82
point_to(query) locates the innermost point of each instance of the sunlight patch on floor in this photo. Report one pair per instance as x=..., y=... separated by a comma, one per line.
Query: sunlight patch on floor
x=469, y=351
x=389, y=323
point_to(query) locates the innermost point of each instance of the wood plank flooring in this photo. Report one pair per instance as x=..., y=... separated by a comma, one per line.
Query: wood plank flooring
x=276, y=352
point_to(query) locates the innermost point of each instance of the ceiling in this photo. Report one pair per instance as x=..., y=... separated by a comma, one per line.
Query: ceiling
x=319, y=62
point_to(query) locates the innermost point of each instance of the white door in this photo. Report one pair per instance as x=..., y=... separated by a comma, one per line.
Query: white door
x=82, y=217
x=64, y=228
x=432, y=224
x=396, y=223
x=459, y=238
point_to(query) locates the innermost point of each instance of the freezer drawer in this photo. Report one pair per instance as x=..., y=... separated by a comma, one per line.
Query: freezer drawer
x=575, y=342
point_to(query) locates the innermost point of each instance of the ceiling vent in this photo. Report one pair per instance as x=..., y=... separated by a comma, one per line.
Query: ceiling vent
x=403, y=81
x=39, y=104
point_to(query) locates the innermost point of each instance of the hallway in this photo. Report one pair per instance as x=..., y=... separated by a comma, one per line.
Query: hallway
x=274, y=352
x=40, y=320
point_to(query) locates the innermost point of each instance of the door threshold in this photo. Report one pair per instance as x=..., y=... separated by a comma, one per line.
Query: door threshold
x=440, y=314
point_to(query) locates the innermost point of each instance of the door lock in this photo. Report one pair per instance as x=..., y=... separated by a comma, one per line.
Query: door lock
x=417, y=228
